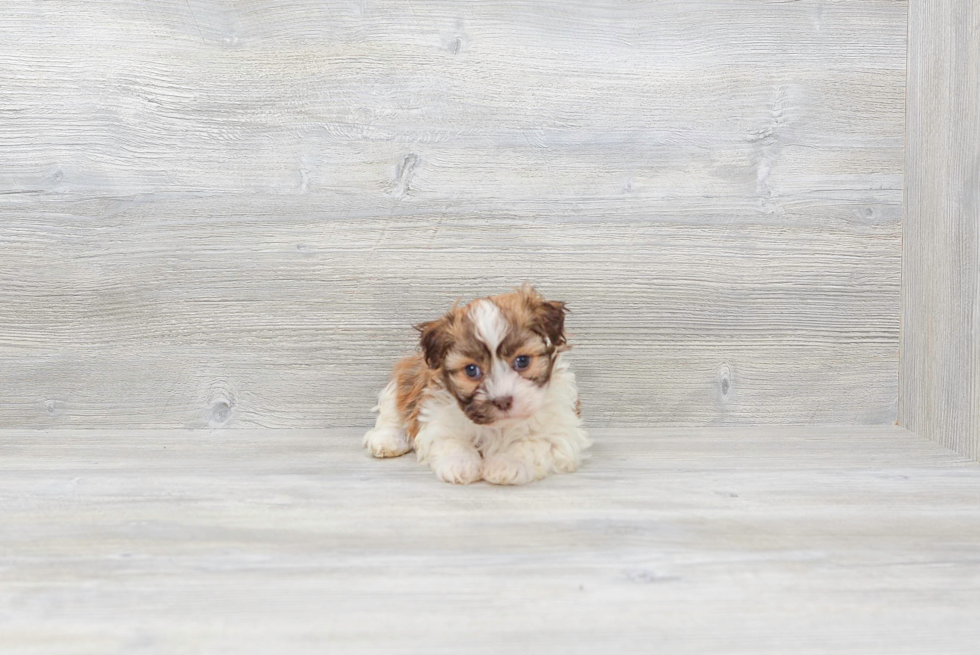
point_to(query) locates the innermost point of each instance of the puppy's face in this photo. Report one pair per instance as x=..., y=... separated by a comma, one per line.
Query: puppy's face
x=496, y=354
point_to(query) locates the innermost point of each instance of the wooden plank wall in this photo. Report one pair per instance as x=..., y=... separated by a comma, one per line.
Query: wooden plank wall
x=229, y=213
x=940, y=374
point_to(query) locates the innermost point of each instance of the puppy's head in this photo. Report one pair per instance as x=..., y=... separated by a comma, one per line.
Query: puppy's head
x=496, y=354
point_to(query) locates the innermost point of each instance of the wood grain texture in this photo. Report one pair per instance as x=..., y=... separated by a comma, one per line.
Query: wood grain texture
x=230, y=213
x=744, y=540
x=940, y=374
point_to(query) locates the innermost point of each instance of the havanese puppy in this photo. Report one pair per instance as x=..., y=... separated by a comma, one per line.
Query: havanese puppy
x=488, y=396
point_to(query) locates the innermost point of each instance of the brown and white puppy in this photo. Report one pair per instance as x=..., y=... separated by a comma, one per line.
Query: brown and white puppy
x=488, y=396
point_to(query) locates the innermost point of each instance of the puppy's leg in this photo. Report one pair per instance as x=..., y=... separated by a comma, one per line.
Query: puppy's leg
x=387, y=438
x=453, y=459
x=525, y=460
x=556, y=447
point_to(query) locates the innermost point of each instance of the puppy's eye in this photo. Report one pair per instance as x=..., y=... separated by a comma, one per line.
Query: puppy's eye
x=472, y=371
x=522, y=362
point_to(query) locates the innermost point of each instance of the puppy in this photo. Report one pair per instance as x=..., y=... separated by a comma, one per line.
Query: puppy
x=488, y=397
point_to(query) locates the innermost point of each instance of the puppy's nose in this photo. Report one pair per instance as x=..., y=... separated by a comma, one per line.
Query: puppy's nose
x=503, y=403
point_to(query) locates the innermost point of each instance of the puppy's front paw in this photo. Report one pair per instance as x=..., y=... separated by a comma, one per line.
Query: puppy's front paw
x=505, y=469
x=459, y=467
x=386, y=442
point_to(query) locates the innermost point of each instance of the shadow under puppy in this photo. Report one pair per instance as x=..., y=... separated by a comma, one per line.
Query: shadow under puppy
x=488, y=397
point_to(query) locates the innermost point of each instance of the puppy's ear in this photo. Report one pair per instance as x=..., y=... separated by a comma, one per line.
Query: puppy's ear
x=551, y=317
x=548, y=316
x=436, y=339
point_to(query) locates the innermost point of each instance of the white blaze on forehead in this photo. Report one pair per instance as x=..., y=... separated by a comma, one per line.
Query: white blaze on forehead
x=491, y=327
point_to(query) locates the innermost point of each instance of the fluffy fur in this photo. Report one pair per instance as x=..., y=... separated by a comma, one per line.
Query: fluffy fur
x=488, y=396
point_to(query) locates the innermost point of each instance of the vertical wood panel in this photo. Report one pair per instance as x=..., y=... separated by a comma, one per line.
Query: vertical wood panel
x=940, y=375
x=230, y=213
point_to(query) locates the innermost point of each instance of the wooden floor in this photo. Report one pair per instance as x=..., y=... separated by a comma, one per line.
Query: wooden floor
x=769, y=540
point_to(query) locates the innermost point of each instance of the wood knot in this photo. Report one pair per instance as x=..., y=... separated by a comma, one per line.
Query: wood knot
x=220, y=404
x=54, y=408
x=724, y=381
x=220, y=412
x=403, y=174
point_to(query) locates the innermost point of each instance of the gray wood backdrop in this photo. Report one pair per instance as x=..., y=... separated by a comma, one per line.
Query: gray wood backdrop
x=229, y=213
x=940, y=381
